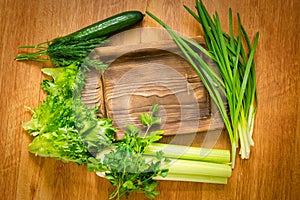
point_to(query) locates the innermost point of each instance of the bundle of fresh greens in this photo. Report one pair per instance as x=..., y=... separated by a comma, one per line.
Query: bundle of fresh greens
x=62, y=125
x=67, y=130
x=64, y=128
x=235, y=78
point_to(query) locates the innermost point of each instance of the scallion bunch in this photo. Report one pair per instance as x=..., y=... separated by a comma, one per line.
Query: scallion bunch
x=235, y=78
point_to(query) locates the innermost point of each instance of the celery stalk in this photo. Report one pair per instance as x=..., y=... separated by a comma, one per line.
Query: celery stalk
x=193, y=178
x=178, y=166
x=189, y=153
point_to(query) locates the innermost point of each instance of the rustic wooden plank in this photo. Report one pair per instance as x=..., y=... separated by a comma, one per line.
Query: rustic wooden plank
x=147, y=76
x=142, y=72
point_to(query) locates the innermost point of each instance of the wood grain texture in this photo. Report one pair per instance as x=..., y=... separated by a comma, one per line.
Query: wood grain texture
x=144, y=74
x=273, y=169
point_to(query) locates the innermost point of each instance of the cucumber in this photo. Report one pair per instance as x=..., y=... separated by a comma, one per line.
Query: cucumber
x=76, y=46
x=103, y=28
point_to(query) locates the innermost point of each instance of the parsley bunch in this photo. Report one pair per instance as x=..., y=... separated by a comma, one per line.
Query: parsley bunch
x=126, y=166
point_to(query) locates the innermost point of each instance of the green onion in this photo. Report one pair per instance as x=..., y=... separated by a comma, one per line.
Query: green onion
x=235, y=80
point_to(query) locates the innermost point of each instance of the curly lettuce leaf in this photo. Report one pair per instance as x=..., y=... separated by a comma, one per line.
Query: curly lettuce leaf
x=64, y=144
x=63, y=126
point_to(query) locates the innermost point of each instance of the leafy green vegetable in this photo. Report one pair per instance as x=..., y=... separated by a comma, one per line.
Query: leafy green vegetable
x=57, y=109
x=64, y=127
x=64, y=54
x=127, y=168
x=64, y=144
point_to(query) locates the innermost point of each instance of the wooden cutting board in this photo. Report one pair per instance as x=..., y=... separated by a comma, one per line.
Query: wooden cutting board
x=141, y=74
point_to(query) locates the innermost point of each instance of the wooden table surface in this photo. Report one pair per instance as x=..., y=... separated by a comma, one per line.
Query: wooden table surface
x=273, y=169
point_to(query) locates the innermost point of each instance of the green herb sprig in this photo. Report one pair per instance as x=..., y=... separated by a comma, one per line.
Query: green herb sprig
x=126, y=166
